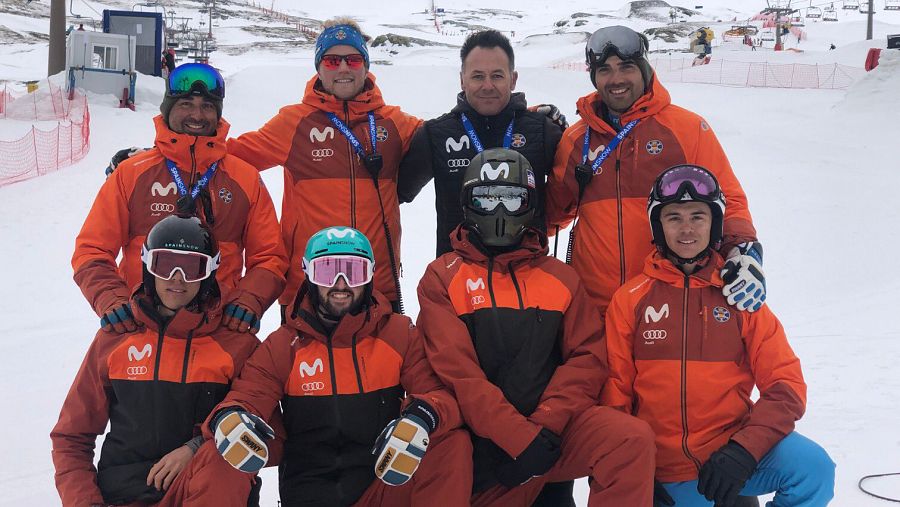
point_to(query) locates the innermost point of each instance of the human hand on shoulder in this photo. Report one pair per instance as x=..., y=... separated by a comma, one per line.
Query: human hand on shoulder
x=745, y=280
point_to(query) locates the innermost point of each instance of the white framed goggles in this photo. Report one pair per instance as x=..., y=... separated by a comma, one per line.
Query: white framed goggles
x=324, y=271
x=164, y=262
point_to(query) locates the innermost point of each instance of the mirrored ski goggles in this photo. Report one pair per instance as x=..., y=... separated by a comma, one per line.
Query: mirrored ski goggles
x=324, y=271
x=194, y=266
x=624, y=42
x=486, y=198
x=333, y=62
x=196, y=77
x=696, y=181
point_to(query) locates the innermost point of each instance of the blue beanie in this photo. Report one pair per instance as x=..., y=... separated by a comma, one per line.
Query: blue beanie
x=340, y=35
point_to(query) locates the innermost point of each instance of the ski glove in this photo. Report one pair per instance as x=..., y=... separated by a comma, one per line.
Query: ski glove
x=119, y=319
x=724, y=474
x=536, y=460
x=403, y=443
x=240, y=439
x=661, y=497
x=121, y=156
x=552, y=112
x=745, y=282
x=238, y=318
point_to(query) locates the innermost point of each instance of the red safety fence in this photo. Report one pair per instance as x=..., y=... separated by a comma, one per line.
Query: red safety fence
x=747, y=74
x=40, y=152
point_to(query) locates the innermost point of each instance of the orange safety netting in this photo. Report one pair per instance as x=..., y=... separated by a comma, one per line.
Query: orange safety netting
x=39, y=151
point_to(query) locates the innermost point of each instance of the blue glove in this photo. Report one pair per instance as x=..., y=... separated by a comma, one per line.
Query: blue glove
x=241, y=439
x=402, y=445
x=745, y=281
x=119, y=319
x=239, y=318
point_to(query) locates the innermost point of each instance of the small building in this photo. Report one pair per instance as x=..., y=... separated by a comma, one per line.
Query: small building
x=100, y=62
x=147, y=30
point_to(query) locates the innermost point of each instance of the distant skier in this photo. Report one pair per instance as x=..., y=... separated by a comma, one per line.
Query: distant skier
x=630, y=132
x=681, y=359
x=156, y=386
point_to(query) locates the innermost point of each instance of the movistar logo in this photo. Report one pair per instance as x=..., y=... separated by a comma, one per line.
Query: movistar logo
x=136, y=355
x=652, y=314
x=472, y=285
x=317, y=367
x=592, y=154
x=489, y=173
x=158, y=189
x=340, y=233
x=453, y=144
x=321, y=135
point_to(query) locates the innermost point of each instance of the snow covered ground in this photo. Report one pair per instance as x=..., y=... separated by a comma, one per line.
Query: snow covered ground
x=819, y=167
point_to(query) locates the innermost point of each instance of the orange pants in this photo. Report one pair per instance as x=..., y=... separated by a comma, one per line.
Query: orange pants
x=444, y=477
x=614, y=450
x=209, y=480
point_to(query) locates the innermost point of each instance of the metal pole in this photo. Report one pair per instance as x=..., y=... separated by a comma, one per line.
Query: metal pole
x=56, y=61
x=869, y=19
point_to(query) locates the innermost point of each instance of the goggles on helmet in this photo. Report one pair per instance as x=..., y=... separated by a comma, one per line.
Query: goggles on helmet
x=325, y=270
x=624, y=42
x=486, y=198
x=686, y=179
x=191, y=78
x=194, y=266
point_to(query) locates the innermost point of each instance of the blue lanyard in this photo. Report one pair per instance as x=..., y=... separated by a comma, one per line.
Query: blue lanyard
x=204, y=179
x=470, y=131
x=609, y=148
x=352, y=138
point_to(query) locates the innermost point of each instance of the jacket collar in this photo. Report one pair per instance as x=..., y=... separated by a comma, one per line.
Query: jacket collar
x=468, y=246
x=658, y=267
x=369, y=99
x=177, y=147
x=185, y=322
x=350, y=327
x=649, y=104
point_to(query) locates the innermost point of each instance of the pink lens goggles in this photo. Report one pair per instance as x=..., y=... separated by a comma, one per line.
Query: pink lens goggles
x=325, y=270
x=194, y=266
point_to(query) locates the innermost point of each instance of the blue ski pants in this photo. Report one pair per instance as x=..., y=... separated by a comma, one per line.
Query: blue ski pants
x=797, y=470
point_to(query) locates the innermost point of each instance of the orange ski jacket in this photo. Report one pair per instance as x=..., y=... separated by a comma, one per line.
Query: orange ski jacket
x=686, y=362
x=141, y=192
x=337, y=391
x=325, y=182
x=613, y=232
x=154, y=387
x=515, y=338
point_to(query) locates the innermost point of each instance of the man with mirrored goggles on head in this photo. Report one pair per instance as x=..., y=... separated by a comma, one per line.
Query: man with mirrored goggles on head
x=368, y=422
x=154, y=387
x=512, y=333
x=187, y=171
x=630, y=132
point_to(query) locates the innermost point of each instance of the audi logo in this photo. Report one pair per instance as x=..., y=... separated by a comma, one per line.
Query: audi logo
x=655, y=334
x=322, y=152
x=477, y=300
x=312, y=386
x=159, y=206
x=458, y=162
x=136, y=370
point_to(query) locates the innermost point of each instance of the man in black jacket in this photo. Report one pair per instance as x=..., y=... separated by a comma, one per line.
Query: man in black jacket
x=487, y=115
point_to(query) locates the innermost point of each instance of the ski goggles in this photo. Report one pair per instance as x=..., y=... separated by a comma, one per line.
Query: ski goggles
x=191, y=78
x=325, y=270
x=486, y=198
x=623, y=41
x=333, y=62
x=194, y=266
x=693, y=180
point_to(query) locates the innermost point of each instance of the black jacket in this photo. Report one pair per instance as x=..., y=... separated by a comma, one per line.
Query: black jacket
x=440, y=149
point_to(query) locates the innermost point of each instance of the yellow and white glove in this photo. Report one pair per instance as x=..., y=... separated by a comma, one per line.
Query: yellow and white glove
x=241, y=439
x=402, y=445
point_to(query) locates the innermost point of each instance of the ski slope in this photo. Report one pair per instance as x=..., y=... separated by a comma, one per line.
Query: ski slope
x=819, y=168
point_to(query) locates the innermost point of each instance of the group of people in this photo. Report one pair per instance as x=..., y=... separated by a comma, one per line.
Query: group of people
x=631, y=363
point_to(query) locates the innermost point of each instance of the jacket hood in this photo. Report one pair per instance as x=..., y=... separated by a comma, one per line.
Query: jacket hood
x=182, y=323
x=517, y=102
x=467, y=245
x=369, y=99
x=303, y=319
x=176, y=147
x=658, y=267
x=649, y=104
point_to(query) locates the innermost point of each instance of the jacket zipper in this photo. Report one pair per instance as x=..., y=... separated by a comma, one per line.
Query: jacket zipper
x=619, y=218
x=187, y=355
x=337, y=413
x=356, y=364
x=155, y=408
x=684, y=343
x=350, y=154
